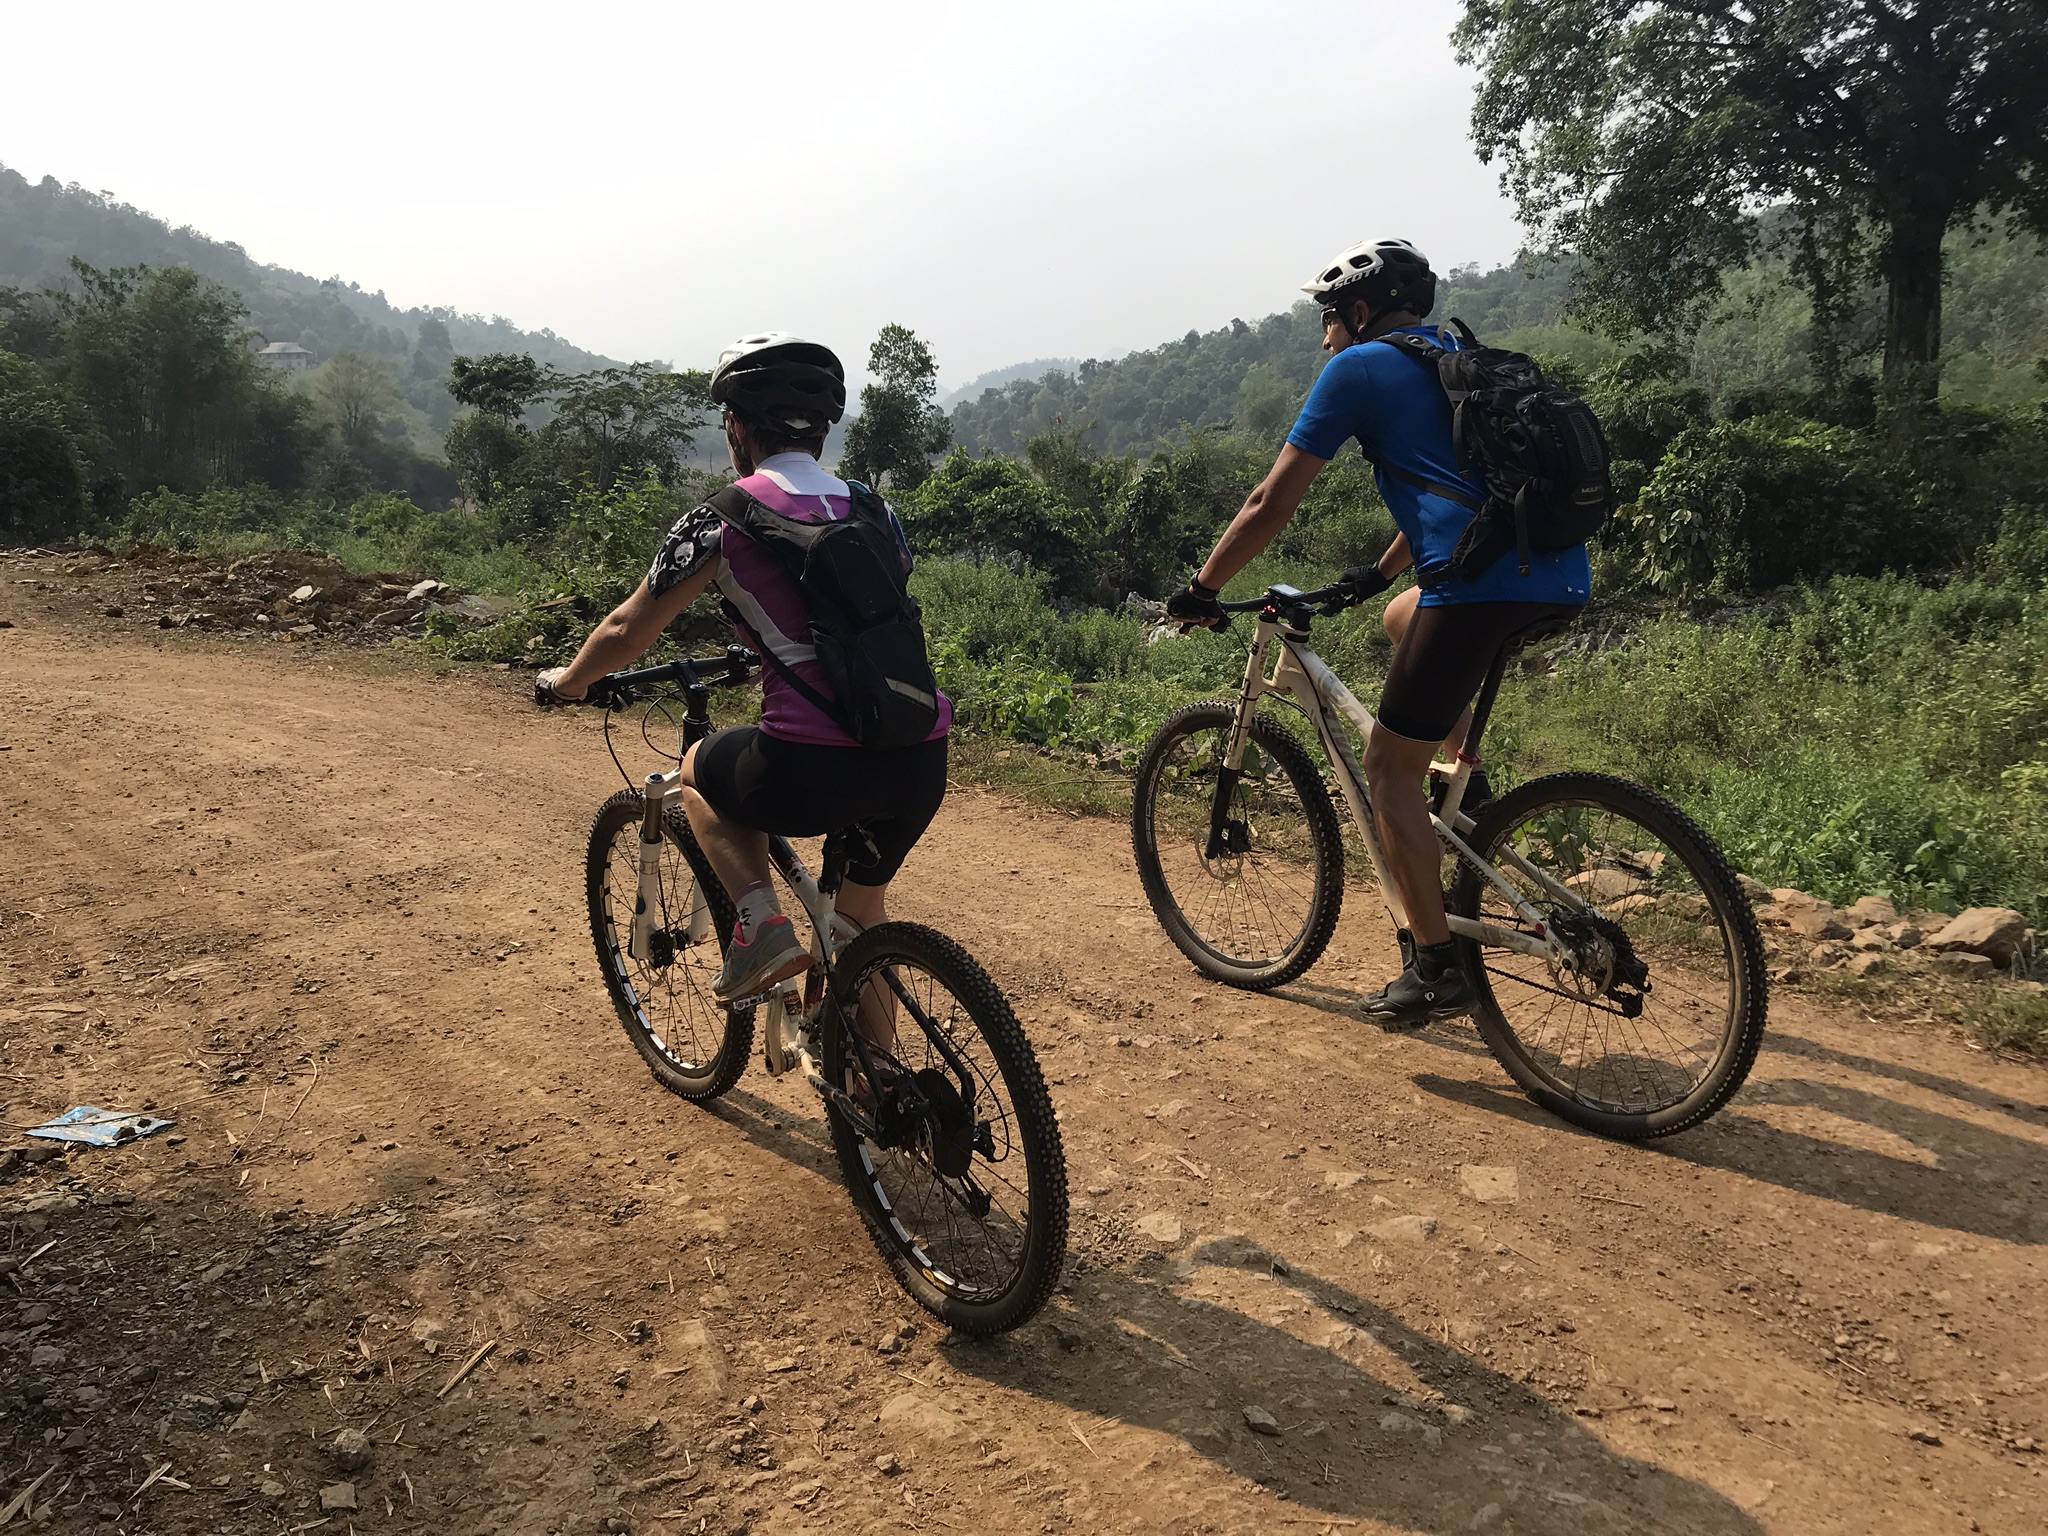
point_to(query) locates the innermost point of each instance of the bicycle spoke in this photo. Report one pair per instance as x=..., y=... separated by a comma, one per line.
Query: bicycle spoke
x=1595, y=1035
x=975, y=1251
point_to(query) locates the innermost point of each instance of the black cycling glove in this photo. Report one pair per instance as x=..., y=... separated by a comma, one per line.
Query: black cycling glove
x=1195, y=604
x=1365, y=581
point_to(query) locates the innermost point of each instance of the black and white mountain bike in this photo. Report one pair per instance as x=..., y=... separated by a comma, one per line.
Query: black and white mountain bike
x=938, y=1111
x=1619, y=970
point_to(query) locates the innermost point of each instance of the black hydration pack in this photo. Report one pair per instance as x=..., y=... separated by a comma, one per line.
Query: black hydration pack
x=1541, y=451
x=865, y=625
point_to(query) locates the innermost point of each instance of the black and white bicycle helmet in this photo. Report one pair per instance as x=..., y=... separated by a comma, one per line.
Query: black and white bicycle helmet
x=793, y=385
x=1387, y=274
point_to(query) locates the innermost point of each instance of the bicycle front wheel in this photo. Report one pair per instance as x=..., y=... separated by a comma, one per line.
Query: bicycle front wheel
x=1260, y=911
x=964, y=1185
x=1653, y=1022
x=695, y=1046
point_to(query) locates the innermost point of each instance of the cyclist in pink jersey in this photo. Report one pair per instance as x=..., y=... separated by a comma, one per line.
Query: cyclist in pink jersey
x=799, y=773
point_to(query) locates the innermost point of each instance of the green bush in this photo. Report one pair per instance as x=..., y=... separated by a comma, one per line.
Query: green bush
x=989, y=607
x=992, y=507
x=1740, y=506
x=1872, y=736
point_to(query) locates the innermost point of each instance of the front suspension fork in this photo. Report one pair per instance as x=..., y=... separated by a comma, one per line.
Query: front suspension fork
x=1231, y=769
x=647, y=899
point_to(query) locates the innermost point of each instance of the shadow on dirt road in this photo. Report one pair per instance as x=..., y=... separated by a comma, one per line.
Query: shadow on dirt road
x=1966, y=1178
x=1459, y=1448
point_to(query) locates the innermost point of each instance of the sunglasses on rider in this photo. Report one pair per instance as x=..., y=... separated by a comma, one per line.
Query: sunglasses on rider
x=1330, y=316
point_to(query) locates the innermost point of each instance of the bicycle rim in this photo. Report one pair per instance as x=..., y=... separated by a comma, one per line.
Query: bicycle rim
x=1261, y=912
x=1654, y=1022
x=966, y=1198
x=695, y=1047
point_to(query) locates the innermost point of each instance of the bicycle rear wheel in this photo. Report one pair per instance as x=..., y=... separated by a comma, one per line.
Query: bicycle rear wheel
x=1654, y=1023
x=695, y=1046
x=1261, y=912
x=964, y=1188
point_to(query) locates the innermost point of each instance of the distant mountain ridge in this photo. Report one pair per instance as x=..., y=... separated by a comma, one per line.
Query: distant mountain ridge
x=1242, y=370
x=996, y=378
x=43, y=225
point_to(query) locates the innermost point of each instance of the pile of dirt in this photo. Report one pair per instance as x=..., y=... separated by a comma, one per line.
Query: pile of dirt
x=285, y=594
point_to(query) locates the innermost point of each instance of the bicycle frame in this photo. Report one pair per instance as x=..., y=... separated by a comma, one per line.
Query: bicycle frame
x=787, y=1006
x=793, y=1006
x=1299, y=674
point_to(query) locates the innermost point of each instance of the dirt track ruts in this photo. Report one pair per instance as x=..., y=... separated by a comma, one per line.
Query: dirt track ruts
x=243, y=861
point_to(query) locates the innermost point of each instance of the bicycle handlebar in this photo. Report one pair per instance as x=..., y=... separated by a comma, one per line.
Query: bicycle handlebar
x=735, y=666
x=1330, y=599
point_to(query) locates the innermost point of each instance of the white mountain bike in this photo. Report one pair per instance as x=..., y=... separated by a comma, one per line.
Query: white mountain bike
x=938, y=1111
x=1617, y=962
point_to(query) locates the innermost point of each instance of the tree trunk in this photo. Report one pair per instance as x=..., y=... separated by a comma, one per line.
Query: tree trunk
x=1912, y=305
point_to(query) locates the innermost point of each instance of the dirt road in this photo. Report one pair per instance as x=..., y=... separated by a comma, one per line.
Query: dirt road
x=329, y=919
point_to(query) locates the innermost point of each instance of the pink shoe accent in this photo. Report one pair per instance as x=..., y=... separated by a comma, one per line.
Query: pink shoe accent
x=766, y=923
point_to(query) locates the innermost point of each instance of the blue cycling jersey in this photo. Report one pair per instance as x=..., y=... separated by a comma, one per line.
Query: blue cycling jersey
x=1392, y=403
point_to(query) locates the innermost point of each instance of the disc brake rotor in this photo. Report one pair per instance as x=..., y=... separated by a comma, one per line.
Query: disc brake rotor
x=950, y=1124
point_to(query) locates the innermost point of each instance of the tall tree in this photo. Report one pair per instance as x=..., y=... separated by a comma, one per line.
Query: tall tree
x=42, y=484
x=618, y=421
x=162, y=361
x=502, y=384
x=1646, y=135
x=900, y=426
x=355, y=392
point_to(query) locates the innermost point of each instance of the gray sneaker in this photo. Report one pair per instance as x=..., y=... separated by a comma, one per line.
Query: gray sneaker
x=775, y=955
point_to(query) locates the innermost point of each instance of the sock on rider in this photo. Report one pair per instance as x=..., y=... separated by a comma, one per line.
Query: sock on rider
x=757, y=903
x=1432, y=960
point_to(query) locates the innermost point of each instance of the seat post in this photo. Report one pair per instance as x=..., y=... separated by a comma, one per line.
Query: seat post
x=1483, y=705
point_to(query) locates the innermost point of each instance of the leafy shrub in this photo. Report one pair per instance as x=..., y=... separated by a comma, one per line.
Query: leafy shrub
x=1011, y=695
x=1740, y=506
x=989, y=607
x=992, y=507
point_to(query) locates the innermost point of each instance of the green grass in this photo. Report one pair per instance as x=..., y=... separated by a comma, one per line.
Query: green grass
x=1866, y=737
x=2010, y=1021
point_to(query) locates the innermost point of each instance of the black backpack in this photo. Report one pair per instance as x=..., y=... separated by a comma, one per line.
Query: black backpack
x=1540, y=450
x=865, y=625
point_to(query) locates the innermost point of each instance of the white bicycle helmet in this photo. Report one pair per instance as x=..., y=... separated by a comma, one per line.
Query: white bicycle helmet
x=793, y=384
x=1385, y=273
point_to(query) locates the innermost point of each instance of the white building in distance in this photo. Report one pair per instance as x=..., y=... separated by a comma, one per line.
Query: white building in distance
x=284, y=354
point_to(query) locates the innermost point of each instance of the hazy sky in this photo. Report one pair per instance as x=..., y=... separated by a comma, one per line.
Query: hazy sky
x=650, y=179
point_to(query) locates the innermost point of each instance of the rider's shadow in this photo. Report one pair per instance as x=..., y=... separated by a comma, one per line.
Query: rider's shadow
x=1356, y=1439
x=1914, y=1163
x=1343, y=1003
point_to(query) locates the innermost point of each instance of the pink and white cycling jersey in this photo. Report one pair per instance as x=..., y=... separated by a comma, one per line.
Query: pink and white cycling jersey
x=766, y=598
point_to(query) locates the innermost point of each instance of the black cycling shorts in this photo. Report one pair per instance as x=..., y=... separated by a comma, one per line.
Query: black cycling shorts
x=1442, y=660
x=799, y=789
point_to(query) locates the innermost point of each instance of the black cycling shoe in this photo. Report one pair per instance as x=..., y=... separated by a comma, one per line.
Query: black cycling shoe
x=1412, y=1000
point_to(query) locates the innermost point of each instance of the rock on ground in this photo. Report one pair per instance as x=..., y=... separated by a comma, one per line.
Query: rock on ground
x=1993, y=931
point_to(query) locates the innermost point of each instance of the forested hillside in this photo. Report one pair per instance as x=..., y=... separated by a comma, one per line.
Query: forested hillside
x=43, y=226
x=1253, y=376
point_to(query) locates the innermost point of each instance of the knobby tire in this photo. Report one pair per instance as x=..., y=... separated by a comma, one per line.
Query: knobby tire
x=1325, y=841
x=689, y=1079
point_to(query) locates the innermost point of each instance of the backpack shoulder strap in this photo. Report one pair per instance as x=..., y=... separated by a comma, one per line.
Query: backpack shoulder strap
x=1413, y=345
x=1458, y=493
x=734, y=505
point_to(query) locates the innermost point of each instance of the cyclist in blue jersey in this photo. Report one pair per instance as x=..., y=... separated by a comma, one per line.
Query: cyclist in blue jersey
x=1445, y=631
